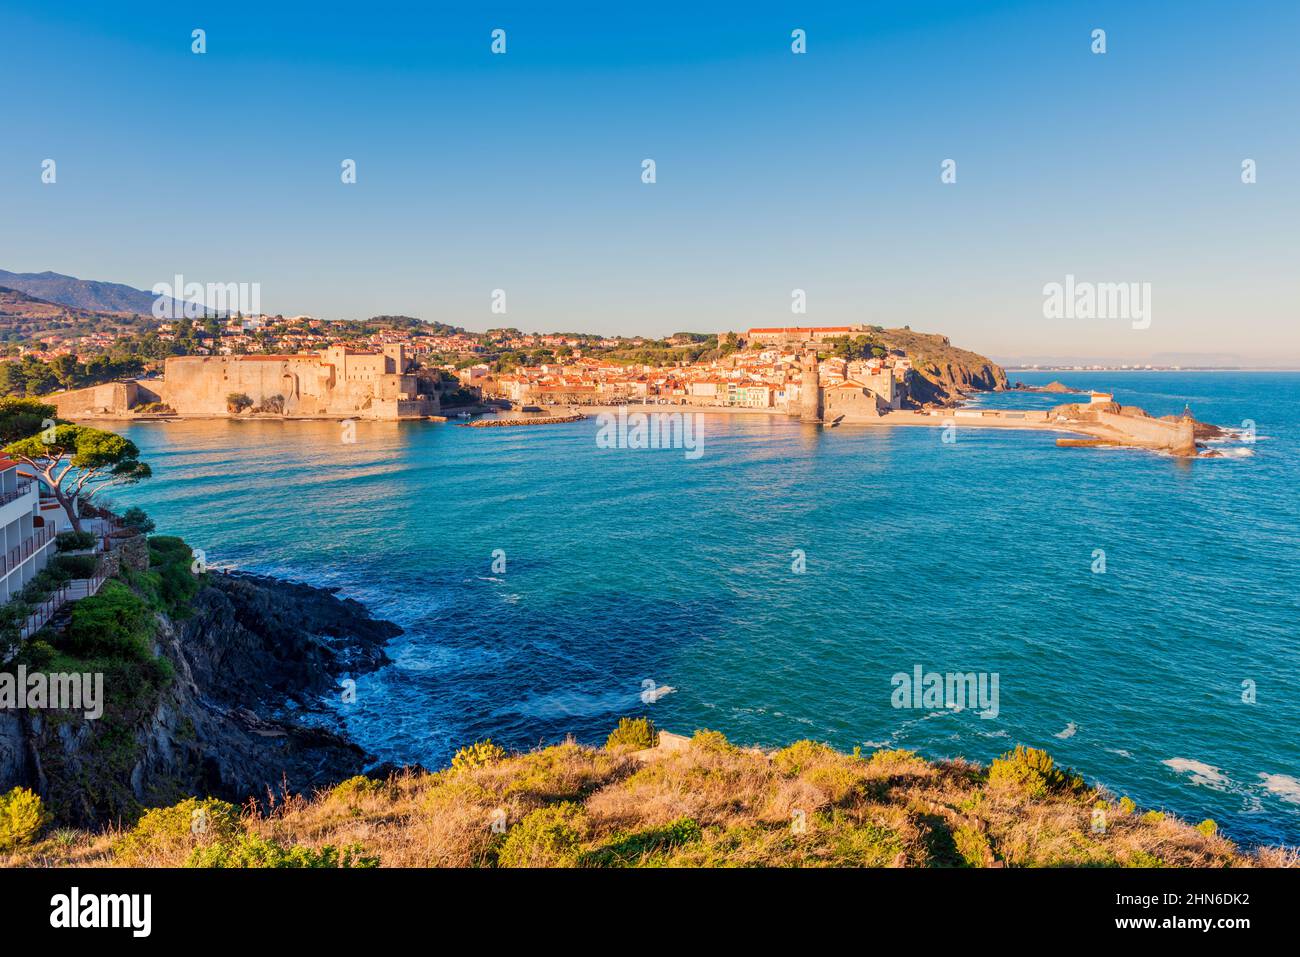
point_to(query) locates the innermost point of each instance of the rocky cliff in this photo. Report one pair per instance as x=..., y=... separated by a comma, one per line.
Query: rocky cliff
x=943, y=373
x=241, y=713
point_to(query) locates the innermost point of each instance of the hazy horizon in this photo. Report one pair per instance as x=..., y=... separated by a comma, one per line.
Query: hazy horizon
x=775, y=171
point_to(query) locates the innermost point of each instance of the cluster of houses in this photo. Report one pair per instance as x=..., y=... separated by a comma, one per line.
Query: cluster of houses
x=766, y=373
x=771, y=377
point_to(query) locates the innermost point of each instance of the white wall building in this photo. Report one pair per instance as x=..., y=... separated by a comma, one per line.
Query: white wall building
x=27, y=529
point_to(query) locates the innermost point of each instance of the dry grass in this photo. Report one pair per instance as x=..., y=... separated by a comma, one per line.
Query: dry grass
x=707, y=805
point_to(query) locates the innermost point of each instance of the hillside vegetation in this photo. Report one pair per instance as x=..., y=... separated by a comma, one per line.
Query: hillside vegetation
x=704, y=803
x=25, y=318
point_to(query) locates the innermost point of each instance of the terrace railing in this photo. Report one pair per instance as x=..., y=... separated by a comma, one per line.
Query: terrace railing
x=21, y=489
x=25, y=549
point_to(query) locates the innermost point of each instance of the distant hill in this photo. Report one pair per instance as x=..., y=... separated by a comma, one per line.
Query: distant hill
x=25, y=318
x=85, y=294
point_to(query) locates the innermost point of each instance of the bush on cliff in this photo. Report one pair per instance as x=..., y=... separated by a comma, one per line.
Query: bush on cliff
x=172, y=579
x=22, y=815
x=632, y=734
x=356, y=789
x=477, y=755
x=249, y=850
x=1033, y=772
x=136, y=519
x=646, y=846
x=547, y=837
x=163, y=832
x=115, y=622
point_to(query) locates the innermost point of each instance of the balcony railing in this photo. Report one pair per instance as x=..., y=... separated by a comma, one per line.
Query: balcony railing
x=26, y=549
x=21, y=489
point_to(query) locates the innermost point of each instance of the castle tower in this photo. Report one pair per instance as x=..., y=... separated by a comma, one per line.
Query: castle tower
x=810, y=394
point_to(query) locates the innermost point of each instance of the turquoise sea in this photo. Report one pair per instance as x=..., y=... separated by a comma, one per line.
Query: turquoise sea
x=624, y=566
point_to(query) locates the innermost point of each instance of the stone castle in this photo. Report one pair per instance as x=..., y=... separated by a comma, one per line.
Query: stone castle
x=336, y=381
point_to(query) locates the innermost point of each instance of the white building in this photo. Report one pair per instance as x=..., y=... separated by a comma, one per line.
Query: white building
x=27, y=529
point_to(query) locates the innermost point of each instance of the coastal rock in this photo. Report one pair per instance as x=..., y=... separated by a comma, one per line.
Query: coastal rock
x=243, y=715
x=1054, y=387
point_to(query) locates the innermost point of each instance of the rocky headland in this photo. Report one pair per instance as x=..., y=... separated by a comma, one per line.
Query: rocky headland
x=234, y=709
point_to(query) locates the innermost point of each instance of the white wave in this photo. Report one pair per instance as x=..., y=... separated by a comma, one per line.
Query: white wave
x=1201, y=773
x=1070, y=730
x=1283, y=785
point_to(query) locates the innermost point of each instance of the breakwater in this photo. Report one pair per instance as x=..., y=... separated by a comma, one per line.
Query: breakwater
x=538, y=420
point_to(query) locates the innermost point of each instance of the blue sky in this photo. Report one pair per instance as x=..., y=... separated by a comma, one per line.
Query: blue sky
x=775, y=171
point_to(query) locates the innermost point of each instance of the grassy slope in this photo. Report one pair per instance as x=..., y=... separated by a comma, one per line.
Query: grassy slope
x=709, y=804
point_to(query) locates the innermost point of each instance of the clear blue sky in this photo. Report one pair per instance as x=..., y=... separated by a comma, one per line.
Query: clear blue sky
x=775, y=171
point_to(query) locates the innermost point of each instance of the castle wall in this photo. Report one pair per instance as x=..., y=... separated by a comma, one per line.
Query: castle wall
x=199, y=385
x=337, y=383
x=110, y=397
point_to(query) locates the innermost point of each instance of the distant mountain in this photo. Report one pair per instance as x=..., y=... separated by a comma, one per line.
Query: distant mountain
x=85, y=294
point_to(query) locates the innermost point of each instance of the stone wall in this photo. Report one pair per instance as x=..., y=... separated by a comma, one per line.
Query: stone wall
x=111, y=397
x=1177, y=437
x=307, y=385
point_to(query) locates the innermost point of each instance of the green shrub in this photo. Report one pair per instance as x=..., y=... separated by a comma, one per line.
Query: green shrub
x=171, y=576
x=1153, y=817
x=630, y=849
x=114, y=622
x=1208, y=827
x=73, y=541
x=237, y=402
x=249, y=850
x=166, y=830
x=477, y=755
x=43, y=584
x=547, y=837
x=354, y=788
x=1143, y=859
x=22, y=815
x=76, y=566
x=799, y=756
x=632, y=734
x=891, y=757
x=1033, y=772
x=714, y=741
x=135, y=517
x=857, y=844
x=972, y=846
x=1127, y=806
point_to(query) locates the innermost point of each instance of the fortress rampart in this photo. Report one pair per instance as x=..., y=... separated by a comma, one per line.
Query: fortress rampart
x=334, y=382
